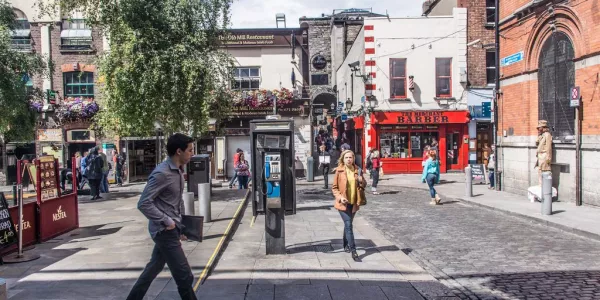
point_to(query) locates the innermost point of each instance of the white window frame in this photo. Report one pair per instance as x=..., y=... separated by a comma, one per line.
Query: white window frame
x=237, y=77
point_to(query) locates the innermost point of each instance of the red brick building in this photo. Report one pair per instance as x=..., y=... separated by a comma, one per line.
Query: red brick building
x=72, y=47
x=547, y=48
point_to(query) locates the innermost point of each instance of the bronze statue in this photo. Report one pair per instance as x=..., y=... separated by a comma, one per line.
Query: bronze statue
x=544, y=149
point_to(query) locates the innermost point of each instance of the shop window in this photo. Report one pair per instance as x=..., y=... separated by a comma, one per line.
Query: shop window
x=246, y=79
x=398, y=78
x=490, y=65
x=490, y=11
x=20, y=37
x=408, y=143
x=79, y=84
x=76, y=34
x=443, y=74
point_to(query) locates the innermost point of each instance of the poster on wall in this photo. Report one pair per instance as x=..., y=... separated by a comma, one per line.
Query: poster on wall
x=108, y=150
x=49, y=186
x=56, y=152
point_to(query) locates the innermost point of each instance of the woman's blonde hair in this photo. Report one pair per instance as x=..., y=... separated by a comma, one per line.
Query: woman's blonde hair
x=433, y=155
x=341, y=159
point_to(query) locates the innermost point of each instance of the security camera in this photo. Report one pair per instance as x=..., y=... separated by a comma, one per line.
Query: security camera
x=354, y=64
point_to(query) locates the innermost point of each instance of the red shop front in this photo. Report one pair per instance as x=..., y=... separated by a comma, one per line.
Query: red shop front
x=401, y=138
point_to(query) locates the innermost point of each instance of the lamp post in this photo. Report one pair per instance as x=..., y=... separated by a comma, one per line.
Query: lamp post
x=158, y=129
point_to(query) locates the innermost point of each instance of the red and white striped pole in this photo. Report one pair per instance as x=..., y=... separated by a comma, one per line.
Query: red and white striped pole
x=411, y=83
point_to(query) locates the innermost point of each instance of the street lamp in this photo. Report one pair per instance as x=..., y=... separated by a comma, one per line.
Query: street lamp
x=157, y=130
x=349, y=104
x=372, y=101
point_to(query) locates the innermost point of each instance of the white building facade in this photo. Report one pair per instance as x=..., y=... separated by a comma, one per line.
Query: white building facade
x=416, y=69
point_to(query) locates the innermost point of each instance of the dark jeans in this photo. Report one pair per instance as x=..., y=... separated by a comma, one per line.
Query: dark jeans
x=348, y=218
x=243, y=182
x=95, y=187
x=233, y=179
x=326, y=175
x=375, y=174
x=491, y=176
x=431, y=178
x=119, y=176
x=167, y=249
x=104, y=183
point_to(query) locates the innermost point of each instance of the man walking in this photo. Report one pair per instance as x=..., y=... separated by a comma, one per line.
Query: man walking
x=162, y=204
x=105, y=169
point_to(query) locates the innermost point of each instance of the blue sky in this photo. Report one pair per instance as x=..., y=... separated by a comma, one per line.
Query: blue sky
x=261, y=13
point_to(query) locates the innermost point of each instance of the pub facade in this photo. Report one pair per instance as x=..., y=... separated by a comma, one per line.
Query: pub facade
x=418, y=83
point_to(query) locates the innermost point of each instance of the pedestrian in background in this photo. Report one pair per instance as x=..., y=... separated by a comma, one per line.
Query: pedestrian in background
x=375, y=166
x=431, y=174
x=78, y=166
x=491, y=167
x=236, y=159
x=347, y=185
x=425, y=155
x=105, y=169
x=162, y=204
x=94, y=172
x=242, y=169
x=324, y=161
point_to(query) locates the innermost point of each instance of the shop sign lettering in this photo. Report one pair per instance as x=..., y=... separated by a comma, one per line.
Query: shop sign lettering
x=424, y=117
x=247, y=39
x=59, y=215
x=26, y=225
x=264, y=111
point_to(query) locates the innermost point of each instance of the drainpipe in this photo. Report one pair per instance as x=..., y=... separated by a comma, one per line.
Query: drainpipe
x=578, y=198
x=497, y=90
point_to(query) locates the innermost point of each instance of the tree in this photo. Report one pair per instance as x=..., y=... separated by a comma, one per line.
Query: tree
x=164, y=64
x=17, y=120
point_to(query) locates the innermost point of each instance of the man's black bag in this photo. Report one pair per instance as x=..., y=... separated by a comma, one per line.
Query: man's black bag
x=191, y=227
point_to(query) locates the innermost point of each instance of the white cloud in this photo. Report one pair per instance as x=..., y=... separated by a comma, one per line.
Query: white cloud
x=261, y=13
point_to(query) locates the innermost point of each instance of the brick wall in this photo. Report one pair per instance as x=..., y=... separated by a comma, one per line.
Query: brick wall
x=476, y=29
x=60, y=58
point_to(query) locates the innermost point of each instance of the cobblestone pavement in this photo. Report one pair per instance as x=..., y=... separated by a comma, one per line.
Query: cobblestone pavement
x=483, y=254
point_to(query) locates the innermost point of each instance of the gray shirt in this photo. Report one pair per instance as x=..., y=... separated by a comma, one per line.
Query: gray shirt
x=161, y=200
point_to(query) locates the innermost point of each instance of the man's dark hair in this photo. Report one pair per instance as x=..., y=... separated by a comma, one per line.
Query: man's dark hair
x=177, y=141
x=239, y=150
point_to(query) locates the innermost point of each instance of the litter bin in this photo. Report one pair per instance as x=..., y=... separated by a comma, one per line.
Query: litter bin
x=198, y=172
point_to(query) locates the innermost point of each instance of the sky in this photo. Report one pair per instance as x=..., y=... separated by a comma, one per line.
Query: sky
x=261, y=13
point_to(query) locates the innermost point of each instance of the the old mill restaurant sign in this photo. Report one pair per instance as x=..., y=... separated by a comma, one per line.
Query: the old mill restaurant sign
x=246, y=112
x=247, y=39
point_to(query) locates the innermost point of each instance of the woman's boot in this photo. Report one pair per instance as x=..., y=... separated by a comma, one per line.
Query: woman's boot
x=438, y=199
x=355, y=256
x=433, y=201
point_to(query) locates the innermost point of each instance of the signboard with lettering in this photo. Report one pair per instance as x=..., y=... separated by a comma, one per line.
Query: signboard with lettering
x=423, y=117
x=58, y=216
x=512, y=59
x=257, y=39
x=246, y=112
x=49, y=178
x=8, y=234
x=478, y=174
x=49, y=135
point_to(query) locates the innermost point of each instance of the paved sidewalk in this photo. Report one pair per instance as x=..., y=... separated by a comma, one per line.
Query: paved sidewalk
x=316, y=267
x=582, y=220
x=103, y=258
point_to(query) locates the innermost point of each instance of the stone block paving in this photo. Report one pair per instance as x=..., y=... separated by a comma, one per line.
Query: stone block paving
x=315, y=266
x=105, y=256
x=484, y=254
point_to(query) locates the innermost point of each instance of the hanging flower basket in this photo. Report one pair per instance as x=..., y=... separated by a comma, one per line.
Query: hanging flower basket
x=36, y=106
x=262, y=98
x=77, y=109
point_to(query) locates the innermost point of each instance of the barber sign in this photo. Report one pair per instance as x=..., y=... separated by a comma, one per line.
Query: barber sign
x=575, y=96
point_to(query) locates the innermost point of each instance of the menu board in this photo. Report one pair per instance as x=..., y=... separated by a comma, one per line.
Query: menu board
x=8, y=234
x=48, y=183
x=478, y=174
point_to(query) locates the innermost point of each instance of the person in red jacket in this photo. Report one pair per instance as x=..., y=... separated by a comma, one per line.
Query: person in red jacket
x=236, y=160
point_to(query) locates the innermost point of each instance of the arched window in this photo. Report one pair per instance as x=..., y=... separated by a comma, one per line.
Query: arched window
x=79, y=84
x=556, y=77
x=21, y=36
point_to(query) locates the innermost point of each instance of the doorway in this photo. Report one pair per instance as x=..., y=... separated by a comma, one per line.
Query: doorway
x=77, y=147
x=453, y=145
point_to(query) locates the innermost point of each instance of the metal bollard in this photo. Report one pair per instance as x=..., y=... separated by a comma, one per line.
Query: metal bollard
x=204, y=201
x=188, y=203
x=15, y=201
x=546, y=193
x=469, y=182
x=310, y=172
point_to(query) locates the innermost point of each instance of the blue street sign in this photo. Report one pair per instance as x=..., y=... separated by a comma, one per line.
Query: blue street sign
x=344, y=117
x=512, y=59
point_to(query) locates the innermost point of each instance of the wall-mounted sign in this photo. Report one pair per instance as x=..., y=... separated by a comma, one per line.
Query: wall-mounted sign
x=575, y=96
x=512, y=59
x=319, y=62
x=49, y=135
x=260, y=38
x=423, y=117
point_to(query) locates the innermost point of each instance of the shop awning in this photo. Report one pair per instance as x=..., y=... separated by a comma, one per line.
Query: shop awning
x=76, y=34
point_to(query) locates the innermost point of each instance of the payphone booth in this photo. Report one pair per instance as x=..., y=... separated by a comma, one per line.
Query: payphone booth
x=273, y=177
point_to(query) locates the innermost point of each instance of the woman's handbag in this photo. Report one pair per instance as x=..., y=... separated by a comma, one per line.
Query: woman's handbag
x=363, y=197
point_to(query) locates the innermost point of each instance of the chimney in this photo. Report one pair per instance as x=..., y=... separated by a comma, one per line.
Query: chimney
x=280, y=18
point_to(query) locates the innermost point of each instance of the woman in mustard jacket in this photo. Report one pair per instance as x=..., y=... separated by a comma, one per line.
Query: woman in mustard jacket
x=348, y=189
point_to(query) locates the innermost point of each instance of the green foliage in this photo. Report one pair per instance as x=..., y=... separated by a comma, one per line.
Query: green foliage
x=17, y=121
x=164, y=63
